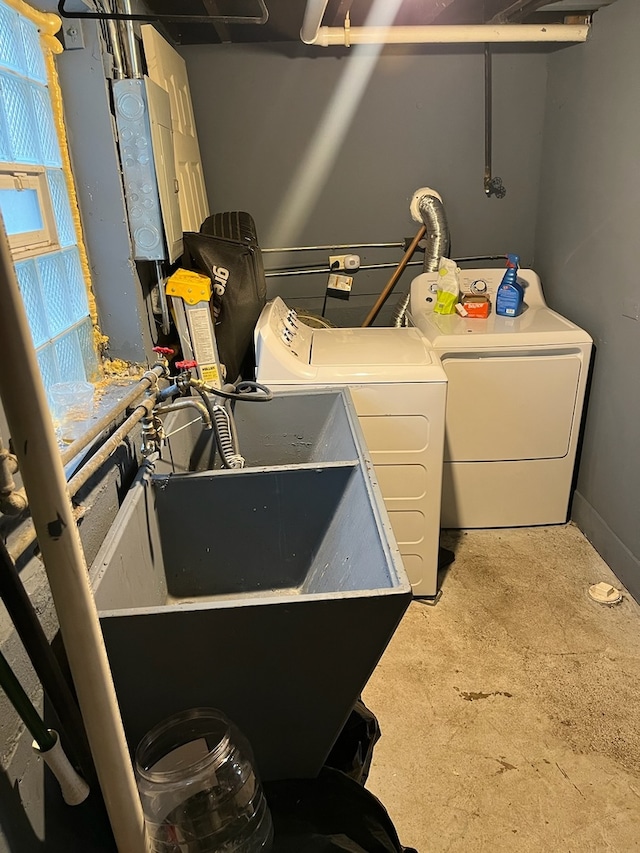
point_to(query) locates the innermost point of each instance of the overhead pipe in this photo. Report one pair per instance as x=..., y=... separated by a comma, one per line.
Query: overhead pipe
x=332, y=247
x=313, y=15
x=492, y=185
x=116, y=50
x=450, y=34
x=130, y=43
x=31, y=429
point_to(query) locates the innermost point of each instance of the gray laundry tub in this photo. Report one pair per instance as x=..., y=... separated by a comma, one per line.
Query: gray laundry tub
x=269, y=592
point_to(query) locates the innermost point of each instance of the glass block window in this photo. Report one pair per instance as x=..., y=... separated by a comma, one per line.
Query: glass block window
x=35, y=207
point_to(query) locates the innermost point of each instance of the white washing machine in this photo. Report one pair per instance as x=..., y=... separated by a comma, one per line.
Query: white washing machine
x=399, y=391
x=514, y=406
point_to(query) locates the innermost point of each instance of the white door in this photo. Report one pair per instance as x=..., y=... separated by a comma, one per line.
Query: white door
x=168, y=69
x=164, y=157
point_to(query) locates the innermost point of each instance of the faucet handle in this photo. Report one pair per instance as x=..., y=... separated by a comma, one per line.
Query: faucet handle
x=163, y=350
x=186, y=365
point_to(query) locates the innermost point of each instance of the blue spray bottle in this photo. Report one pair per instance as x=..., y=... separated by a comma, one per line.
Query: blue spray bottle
x=510, y=294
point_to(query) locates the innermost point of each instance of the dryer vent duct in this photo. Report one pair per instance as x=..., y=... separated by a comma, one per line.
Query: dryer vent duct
x=427, y=207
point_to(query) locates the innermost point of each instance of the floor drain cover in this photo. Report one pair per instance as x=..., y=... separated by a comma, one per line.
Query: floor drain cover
x=604, y=593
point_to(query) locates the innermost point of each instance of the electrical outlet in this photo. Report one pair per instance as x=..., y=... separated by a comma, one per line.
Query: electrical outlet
x=344, y=262
x=339, y=286
x=72, y=36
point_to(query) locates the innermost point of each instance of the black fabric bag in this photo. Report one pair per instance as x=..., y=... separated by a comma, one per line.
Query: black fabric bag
x=226, y=249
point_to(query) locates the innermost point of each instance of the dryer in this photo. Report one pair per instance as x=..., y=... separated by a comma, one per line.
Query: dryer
x=399, y=391
x=515, y=401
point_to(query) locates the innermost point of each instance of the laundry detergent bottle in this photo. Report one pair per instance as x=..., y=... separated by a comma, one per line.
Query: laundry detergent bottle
x=510, y=294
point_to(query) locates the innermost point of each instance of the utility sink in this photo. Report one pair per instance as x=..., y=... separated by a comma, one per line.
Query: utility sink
x=268, y=592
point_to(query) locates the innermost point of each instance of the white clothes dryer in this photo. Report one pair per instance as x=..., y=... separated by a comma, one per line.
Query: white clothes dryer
x=514, y=406
x=399, y=391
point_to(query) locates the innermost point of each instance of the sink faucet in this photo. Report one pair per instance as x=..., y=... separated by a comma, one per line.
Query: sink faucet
x=185, y=403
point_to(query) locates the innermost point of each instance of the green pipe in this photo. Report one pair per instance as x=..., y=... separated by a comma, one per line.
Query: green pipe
x=21, y=702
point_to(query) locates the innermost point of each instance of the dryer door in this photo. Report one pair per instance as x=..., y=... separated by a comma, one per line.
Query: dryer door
x=508, y=407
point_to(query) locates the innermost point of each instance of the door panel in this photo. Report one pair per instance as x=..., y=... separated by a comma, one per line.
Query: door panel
x=163, y=153
x=168, y=69
x=510, y=407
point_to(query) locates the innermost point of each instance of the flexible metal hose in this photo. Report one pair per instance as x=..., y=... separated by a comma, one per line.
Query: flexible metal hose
x=432, y=213
x=225, y=438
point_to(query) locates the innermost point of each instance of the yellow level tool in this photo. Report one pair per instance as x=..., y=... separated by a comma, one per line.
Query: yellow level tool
x=190, y=294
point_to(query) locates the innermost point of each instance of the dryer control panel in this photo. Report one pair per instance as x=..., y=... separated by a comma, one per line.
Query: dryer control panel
x=476, y=282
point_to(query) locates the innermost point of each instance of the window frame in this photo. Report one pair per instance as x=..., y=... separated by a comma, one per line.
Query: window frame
x=27, y=244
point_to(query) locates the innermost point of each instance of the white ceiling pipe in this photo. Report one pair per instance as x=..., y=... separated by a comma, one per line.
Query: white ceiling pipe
x=313, y=15
x=27, y=412
x=454, y=34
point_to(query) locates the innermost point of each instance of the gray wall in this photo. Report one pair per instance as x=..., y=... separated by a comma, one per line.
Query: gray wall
x=123, y=314
x=586, y=253
x=97, y=173
x=260, y=109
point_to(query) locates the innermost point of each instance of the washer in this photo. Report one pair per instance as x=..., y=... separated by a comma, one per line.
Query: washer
x=399, y=391
x=516, y=394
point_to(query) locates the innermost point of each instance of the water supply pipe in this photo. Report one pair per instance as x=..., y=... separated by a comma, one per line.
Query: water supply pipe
x=187, y=403
x=111, y=444
x=13, y=501
x=28, y=534
x=130, y=43
x=31, y=429
x=450, y=34
x=312, y=33
x=149, y=380
x=313, y=14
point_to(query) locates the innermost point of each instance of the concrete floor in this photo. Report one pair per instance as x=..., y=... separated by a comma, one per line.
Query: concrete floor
x=509, y=711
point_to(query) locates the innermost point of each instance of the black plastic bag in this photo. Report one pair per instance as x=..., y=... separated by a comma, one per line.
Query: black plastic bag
x=330, y=814
x=233, y=262
x=352, y=752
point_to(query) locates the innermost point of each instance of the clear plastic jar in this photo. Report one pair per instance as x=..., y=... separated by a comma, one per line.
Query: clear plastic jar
x=199, y=789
